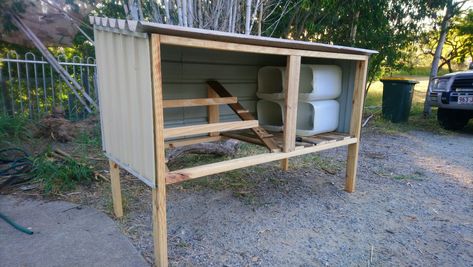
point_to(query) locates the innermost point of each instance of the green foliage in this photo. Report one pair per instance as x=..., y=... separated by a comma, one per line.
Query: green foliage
x=60, y=175
x=386, y=26
x=318, y=162
x=464, y=28
x=13, y=128
x=458, y=46
x=8, y=8
x=92, y=140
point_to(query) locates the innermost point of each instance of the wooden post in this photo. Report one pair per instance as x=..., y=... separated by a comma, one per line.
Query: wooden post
x=293, y=68
x=213, y=110
x=159, y=191
x=355, y=124
x=116, y=191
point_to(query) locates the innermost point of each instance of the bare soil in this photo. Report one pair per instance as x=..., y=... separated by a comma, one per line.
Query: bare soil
x=413, y=206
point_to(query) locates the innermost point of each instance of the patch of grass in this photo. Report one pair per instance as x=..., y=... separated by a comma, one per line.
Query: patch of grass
x=60, y=175
x=183, y=244
x=315, y=160
x=85, y=142
x=419, y=71
x=13, y=129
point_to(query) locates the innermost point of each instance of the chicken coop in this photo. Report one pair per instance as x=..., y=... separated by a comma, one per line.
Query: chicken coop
x=163, y=86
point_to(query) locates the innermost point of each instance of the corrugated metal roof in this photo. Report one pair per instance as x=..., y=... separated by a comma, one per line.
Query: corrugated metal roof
x=150, y=27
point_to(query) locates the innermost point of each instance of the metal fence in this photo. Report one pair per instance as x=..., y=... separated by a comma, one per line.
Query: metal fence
x=29, y=86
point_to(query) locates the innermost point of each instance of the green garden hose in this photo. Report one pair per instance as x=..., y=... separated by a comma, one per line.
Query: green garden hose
x=15, y=225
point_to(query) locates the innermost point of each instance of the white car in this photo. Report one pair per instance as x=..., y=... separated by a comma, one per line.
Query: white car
x=453, y=95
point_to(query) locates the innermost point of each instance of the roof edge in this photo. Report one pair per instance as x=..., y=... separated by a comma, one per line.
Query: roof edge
x=151, y=27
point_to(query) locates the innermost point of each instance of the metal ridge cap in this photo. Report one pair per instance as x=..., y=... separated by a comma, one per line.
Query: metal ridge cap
x=121, y=24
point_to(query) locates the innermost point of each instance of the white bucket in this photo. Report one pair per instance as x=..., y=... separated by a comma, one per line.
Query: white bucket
x=317, y=82
x=313, y=117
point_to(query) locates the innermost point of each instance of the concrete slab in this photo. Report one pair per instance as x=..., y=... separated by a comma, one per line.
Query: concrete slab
x=63, y=236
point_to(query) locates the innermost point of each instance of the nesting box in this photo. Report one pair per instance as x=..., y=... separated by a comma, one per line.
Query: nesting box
x=163, y=86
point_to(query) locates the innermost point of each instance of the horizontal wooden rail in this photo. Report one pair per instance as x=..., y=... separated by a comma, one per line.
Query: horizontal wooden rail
x=213, y=168
x=177, y=103
x=208, y=128
x=191, y=141
x=236, y=47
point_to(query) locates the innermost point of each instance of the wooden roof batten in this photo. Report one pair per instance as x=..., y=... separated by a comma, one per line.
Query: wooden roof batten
x=177, y=35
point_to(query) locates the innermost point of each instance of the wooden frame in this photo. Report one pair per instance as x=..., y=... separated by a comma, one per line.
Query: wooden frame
x=159, y=192
x=236, y=47
x=198, y=102
x=289, y=148
x=208, y=128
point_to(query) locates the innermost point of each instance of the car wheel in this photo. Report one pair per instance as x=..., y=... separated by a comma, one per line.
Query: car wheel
x=452, y=119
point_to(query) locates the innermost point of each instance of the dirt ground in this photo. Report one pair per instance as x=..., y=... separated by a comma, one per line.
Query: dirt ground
x=413, y=206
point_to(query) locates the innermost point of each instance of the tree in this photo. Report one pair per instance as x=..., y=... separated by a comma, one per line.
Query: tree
x=451, y=9
x=388, y=26
x=458, y=43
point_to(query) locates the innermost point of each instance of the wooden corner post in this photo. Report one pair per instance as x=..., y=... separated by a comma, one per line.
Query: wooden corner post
x=355, y=124
x=116, y=190
x=159, y=191
x=293, y=69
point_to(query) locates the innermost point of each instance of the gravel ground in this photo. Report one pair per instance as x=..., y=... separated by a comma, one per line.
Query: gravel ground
x=413, y=206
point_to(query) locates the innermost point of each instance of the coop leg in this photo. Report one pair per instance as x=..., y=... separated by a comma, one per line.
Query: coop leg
x=355, y=124
x=160, y=236
x=159, y=226
x=285, y=164
x=352, y=163
x=116, y=191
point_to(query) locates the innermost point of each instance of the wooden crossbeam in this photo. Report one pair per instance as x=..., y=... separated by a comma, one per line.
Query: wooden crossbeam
x=177, y=103
x=208, y=128
x=245, y=115
x=228, y=165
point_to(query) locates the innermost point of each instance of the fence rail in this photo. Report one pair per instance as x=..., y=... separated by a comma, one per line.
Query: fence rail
x=29, y=86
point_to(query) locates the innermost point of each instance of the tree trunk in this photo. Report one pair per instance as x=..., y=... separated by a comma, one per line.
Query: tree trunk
x=190, y=13
x=247, y=17
x=140, y=10
x=253, y=15
x=167, y=17
x=184, y=12
x=260, y=19
x=235, y=12
x=155, y=11
x=133, y=9
x=230, y=16
x=199, y=11
x=216, y=14
x=354, y=27
x=438, y=52
x=179, y=12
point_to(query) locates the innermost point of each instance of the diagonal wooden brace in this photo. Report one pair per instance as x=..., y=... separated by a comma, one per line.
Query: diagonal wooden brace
x=245, y=115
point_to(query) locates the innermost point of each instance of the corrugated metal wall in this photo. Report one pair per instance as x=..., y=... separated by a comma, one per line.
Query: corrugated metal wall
x=185, y=71
x=125, y=95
